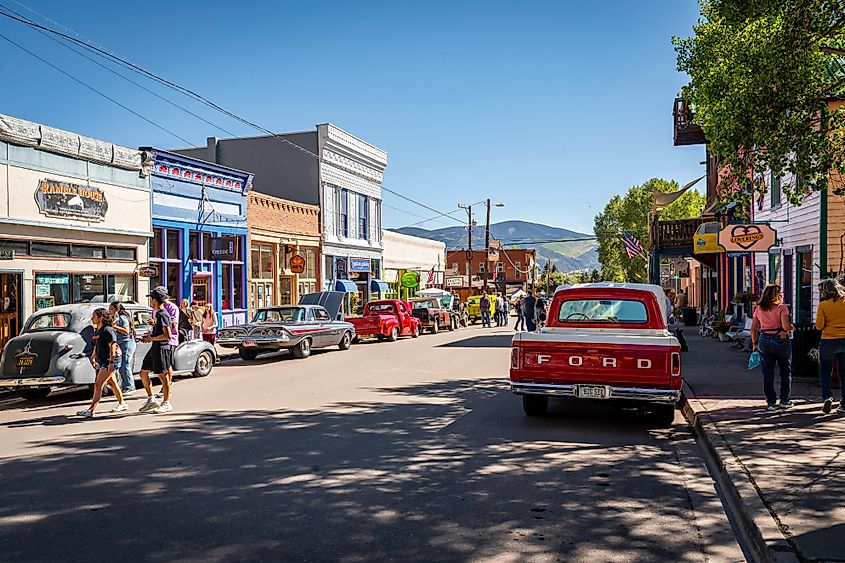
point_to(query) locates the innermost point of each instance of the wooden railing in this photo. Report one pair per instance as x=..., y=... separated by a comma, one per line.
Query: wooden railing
x=674, y=234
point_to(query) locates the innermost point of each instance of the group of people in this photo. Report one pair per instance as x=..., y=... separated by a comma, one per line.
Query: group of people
x=771, y=328
x=115, y=343
x=528, y=309
x=501, y=307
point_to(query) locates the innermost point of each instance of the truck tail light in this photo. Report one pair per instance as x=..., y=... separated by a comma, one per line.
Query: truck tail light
x=676, y=364
x=516, y=356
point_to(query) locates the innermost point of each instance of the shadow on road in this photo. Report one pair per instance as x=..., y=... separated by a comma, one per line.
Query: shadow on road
x=491, y=341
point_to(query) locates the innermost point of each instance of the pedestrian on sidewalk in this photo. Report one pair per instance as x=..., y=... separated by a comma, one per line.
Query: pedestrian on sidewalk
x=209, y=324
x=484, y=305
x=122, y=324
x=506, y=310
x=197, y=312
x=159, y=358
x=186, y=329
x=830, y=319
x=106, y=359
x=500, y=309
x=520, y=318
x=770, y=328
x=529, y=311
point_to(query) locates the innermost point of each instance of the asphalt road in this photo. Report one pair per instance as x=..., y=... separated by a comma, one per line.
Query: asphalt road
x=406, y=451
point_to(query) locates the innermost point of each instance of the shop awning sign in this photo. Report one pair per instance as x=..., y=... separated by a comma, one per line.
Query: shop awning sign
x=71, y=201
x=297, y=264
x=747, y=237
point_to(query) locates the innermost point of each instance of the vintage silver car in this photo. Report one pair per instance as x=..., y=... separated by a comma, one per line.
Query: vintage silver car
x=55, y=347
x=314, y=323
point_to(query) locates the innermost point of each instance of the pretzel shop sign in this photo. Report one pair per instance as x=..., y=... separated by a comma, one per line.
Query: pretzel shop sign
x=749, y=237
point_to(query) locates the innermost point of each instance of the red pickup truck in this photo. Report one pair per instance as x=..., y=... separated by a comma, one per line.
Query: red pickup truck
x=604, y=341
x=386, y=319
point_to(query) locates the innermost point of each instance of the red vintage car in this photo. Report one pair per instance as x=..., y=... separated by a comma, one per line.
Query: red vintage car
x=386, y=319
x=603, y=341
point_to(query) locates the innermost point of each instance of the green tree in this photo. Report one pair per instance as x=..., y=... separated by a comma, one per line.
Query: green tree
x=631, y=212
x=761, y=74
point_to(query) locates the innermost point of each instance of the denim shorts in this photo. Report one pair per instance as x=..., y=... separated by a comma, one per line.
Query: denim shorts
x=118, y=361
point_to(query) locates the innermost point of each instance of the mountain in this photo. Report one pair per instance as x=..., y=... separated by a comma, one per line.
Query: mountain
x=578, y=253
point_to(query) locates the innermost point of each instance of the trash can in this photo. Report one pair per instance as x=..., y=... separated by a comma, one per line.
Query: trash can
x=804, y=339
x=690, y=316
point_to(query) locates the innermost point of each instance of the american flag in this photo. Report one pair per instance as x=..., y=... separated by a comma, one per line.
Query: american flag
x=430, y=280
x=632, y=245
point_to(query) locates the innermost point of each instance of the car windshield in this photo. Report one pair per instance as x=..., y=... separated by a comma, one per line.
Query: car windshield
x=611, y=311
x=380, y=307
x=50, y=321
x=426, y=304
x=283, y=315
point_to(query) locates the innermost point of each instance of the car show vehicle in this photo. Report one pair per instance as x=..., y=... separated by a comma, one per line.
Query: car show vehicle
x=432, y=315
x=603, y=341
x=54, y=350
x=314, y=323
x=386, y=319
x=473, y=307
x=449, y=301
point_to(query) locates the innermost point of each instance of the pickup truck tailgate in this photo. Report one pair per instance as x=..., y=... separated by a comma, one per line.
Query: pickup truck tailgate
x=370, y=324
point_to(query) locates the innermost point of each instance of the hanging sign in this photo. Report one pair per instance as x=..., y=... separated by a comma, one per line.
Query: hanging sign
x=6, y=254
x=71, y=201
x=748, y=237
x=410, y=279
x=456, y=282
x=359, y=264
x=223, y=248
x=147, y=270
x=297, y=264
x=340, y=268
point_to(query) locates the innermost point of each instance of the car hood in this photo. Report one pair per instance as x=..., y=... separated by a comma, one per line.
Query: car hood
x=331, y=301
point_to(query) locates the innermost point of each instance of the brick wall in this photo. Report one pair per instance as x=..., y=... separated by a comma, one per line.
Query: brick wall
x=457, y=258
x=283, y=216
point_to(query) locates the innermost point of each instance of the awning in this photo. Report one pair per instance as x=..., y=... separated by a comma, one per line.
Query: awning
x=379, y=285
x=346, y=285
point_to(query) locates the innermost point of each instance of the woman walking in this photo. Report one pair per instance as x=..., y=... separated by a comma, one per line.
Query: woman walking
x=106, y=360
x=830, y=319
x=770, y=328
x=209, y=324
x=122, y=324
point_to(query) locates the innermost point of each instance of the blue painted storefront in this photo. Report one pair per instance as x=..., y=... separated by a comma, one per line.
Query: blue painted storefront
x=196, y=206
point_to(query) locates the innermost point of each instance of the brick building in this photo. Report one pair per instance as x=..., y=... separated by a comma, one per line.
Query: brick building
x=514, y=269
x=280, y=230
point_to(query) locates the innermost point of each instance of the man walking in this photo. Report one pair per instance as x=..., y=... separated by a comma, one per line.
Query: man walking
x=529, y=306
x=506, y=310
x=520, y=318
x=159, y=357
x=484, y=305
x=500, y=309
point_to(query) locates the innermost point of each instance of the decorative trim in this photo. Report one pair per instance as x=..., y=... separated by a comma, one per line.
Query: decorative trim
x=341, y=137
x=352, y=166
x=196, y=172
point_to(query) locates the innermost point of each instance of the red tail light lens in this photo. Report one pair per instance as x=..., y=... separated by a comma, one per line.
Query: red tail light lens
x=515, y=357
x=676, y=364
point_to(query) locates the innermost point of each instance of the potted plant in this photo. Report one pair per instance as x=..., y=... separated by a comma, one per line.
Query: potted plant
x=721, y=327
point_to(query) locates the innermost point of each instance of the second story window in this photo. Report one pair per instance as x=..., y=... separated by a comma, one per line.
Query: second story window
x=344, y=213
x=363, y=217
x=776, y=190
x=516, y=267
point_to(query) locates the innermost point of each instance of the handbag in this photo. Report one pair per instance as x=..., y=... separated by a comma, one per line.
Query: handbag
x=754, y=360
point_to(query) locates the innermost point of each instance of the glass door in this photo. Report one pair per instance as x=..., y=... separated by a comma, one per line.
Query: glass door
x=804, y=277
x=285, y=290
x=201, y=289
x=10, y=302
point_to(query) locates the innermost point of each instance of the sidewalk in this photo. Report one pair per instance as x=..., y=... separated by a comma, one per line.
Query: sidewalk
x=783, y=472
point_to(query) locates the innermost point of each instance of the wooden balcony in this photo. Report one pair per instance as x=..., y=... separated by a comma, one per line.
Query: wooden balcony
x=686, y=132
x=674, y=234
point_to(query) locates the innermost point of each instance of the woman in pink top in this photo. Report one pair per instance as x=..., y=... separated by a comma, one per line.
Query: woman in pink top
x=770, y=330
x=209, y=324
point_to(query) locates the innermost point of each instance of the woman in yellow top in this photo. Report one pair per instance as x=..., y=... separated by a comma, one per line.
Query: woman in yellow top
x=830, y=319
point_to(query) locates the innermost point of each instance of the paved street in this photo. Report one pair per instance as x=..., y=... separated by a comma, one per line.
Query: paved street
x=412, y=450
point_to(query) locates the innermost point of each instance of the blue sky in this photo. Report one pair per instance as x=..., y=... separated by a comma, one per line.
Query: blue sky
x=548, y=107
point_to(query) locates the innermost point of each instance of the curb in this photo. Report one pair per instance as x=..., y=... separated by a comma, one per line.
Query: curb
x=759, y=528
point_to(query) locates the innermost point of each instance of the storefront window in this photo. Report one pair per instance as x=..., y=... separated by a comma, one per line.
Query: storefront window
x=50, y=249
x=227, y=286
x=88, y=286
x=51, y=289
x=173, y=278
x=237, y=286
x=84, y=251
x=261, y=266
x=122, y=286
x=310, y=256
x=206, y=246
x=172, y=244
x=155, y=244
x=113, y=253
x=194, y=245
x=61, y=289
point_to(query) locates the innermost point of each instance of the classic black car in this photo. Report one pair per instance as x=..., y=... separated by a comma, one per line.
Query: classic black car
x=314, y=323
x=55, y=347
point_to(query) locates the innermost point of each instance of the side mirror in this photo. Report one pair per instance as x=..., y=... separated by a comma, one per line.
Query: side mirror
x=543, y=317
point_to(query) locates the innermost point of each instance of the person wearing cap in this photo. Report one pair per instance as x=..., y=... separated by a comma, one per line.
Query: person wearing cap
x=159, y=357
x=173, y=311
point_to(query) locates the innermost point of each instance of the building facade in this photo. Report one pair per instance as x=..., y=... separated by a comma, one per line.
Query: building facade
x=199, y=244
x=284, y=258
x=511, y=270
x=74, y=221
x=405, y=253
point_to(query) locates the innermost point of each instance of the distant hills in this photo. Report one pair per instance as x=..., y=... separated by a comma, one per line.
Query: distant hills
x=567, y=256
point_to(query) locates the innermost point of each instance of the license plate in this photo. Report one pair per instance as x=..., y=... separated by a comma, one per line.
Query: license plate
x=25, y=361
x=248, y=344
x=592, y=392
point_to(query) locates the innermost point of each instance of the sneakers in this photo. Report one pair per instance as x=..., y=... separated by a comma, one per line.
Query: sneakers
x=786, y=404
x=771, y=408
x=828, y=404
x=149, y=405
x=87, y=413
x=120, y=408
x=163, y=408
x=128, y=392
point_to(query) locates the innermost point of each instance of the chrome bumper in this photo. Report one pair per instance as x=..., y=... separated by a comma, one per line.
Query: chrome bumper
x=33, y=381
x=671, y=396
x=259, y=342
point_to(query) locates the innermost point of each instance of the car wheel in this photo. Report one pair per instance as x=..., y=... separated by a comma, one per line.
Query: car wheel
x=247, y=354
x=302, y=350
x=451, y=324
x=663, y=415
x=394, y=334
x=34, y=394
x=415, y=332
x=205, y=361
x=535, y=405
x=345, y=341
x=464, y=321
x=435, y=328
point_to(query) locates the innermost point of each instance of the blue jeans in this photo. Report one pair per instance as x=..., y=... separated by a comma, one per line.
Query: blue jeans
x=775, y=352
x=520, y=322
x=530, y=324
x=832, y=350
x=485, y=317
x=125, y=375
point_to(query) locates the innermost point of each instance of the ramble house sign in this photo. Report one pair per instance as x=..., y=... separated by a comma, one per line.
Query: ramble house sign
x=748, y=237
x=72, y=201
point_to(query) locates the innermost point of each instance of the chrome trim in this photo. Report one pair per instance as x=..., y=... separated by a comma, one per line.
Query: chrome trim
x=568, y=390
x=33, y=381
x=257, y=339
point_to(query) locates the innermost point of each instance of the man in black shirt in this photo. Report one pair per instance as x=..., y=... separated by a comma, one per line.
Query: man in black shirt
x=529, y=306
x=160, y=356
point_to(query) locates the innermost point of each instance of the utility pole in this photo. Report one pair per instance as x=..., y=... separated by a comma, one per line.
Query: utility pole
x=468, y=209
x=487, y=248
x=548, y=276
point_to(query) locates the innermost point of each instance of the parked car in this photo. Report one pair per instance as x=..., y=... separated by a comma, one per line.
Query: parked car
x=55, y=346
x=451, y=303
x=432, y=315
x=473, y=307
x=604, y=341
x=314, y=323
x=386, y=319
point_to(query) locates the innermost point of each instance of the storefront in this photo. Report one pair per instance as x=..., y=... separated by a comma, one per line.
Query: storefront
x=74, y=221
x=411, y=264
x=199, y=244
x=284, y=238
